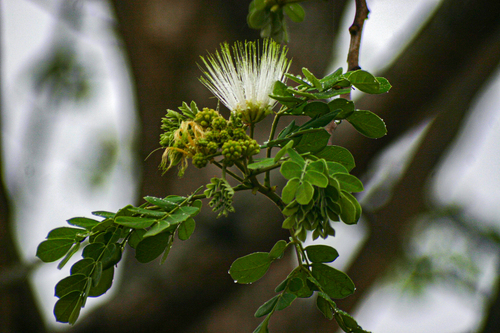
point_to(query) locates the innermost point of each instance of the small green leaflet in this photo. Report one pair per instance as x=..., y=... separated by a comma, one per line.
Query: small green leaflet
x=337, y=154
x=364, y=81
x=53, y=249
x=135, y=222
x=335, y=283
x=321, y=253
x=368, y=124
x=151, y=247
x=67, y=308
x=295, y=12
x=83, y=222
x=250, y=268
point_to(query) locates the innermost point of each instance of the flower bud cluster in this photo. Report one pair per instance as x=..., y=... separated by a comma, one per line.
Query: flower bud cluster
x=204, y=137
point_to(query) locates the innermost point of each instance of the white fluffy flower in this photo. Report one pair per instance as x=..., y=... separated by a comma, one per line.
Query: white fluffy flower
x=242, y=80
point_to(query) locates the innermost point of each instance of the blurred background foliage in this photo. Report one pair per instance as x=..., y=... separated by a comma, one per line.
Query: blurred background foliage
x=79, y=123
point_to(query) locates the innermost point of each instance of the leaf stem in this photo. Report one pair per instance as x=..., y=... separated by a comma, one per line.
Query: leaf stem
x=267, y=178
x=229, y=172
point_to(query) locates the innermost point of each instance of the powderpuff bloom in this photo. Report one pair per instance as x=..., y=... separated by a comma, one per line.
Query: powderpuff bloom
x=242, y=80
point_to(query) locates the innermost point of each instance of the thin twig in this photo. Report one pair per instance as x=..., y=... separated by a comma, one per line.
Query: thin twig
x=355, y=30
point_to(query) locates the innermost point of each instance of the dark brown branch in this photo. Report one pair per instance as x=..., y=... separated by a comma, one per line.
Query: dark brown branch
x=355, y=30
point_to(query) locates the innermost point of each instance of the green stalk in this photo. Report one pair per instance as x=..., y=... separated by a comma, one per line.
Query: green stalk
x=267, y=178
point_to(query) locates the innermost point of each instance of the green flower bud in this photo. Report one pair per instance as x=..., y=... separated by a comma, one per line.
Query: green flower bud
x=200, y=160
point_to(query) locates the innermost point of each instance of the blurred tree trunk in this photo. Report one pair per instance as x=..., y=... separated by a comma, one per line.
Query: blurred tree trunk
x=18, y=310
x=164, y=39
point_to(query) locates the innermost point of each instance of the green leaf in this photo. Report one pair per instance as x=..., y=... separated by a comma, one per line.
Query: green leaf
x=385, y=86
x=295, y=12
x=101, y=213
x=182, y=214
x=313, y=142
x=349, y=183
x=116, y=255
x=364, y=81
x=279, y=89
x=331, y=79
x=282, y=95
x=136, y=236
x=304, y=193
x=282, y=152
x=125, y=211
x=331, y=93
x=334, y=167
x=68, y=256
x=324, y=306
x=103, y=226
x=302, y=93
x=351, y=210
x=94, y=251
x=186, y=229
x=296, y=109
x=105, y=283
x=83, y=222
x=67, y=308
x=263, y=163
x=71, y=283
x=335, y=283
x=288, y=193
x=291, y=128
x=311, y=78
x=321, y=253
x=146, y=212
x=267, y=307
x=297, y=79
x=257, y=19
x=286, y=100
x=96, y=274
x=333, y=189
x=84, y=266
x=167, y=203
x=289, y=222
x=283, y=284
x=278, y=250
x=250, y=268
x=157, y=228
x=319, y=122
x=346, y=107
x=259, y=4
x=337, y=154
x=151, y=247
x=285, y=301
x=316, y=178
x=349, y=321
x=290, y=170
x=262, y=328
x=67, y=233
x=368, y=124
x=315, y=109
x=53, y=249
x=135, y=222
x=295, y=157
x=298, y=285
